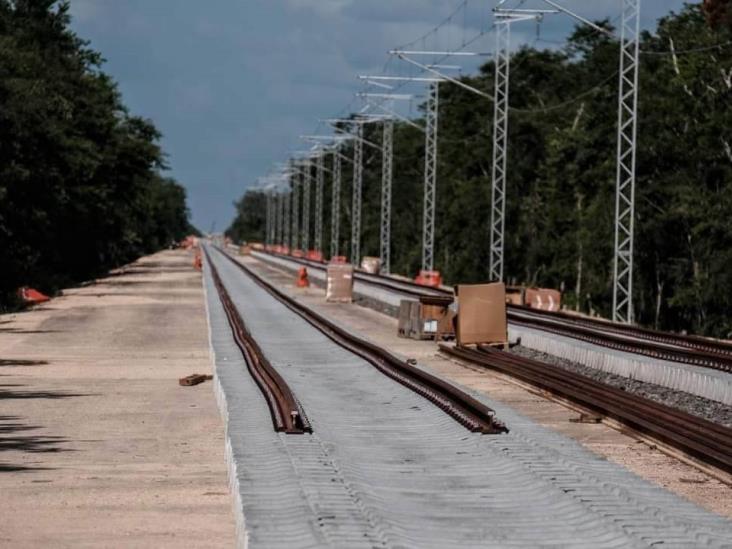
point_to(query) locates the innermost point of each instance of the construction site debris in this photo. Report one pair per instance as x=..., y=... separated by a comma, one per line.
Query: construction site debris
x=193, y=379
x=31, y=296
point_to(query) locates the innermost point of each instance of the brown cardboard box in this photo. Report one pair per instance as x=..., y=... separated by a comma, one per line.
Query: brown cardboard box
x=405, y=317
x=481, y=313
x=446, y=326
x=339, y=285
x=371, y=265
x=428, y=318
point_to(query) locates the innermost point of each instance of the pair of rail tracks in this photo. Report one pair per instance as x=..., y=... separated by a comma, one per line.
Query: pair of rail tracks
x=685, y=349
x=287, y=414
x=705, y=442
x=286, y=411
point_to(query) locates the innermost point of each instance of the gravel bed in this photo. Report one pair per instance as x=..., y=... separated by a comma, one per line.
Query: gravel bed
x=708, y=409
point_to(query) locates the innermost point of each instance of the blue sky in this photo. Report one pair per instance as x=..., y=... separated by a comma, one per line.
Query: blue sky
x=233, y=83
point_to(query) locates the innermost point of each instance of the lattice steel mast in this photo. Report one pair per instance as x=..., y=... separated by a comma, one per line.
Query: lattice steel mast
x=430, y=177
x=357, y=196
x=335, y=215
x=268, y=220
x=504, y=19
x=286, y=219
x=387, y=145
x=500, y=148
x=319, y=174
x=626, y=160
x=295, y=208
x=305, y=238
x=281, y=222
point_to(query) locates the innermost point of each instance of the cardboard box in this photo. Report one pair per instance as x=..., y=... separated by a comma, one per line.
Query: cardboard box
x=428, y=318
x=446, y=326
x=481, y=313
x=404, y=328
x=371, y=265
x=339, y=285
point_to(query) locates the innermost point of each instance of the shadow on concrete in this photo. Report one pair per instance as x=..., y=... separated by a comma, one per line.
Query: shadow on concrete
x=21, y=362
x=11, y=440
x=8, y=392
x=9, y=468
x=21, y=331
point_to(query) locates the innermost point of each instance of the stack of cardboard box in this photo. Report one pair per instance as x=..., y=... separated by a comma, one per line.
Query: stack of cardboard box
x=339, y=283
x=428, y=318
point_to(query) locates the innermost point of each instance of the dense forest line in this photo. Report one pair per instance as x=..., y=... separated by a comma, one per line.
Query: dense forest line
x=81, y=179
x=561, y=177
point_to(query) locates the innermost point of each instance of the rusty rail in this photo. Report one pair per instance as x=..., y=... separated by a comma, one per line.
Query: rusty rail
x=286, y=411
x=466, y=410
x=703, y=440
x=693, y=343
x=641, y=347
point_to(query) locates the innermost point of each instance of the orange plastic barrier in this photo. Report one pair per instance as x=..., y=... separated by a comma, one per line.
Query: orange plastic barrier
x=298, y=253
x=339, y=259
x=315, y=255
x=302, y=278
x=32, y=296
x=429, y=278
x=544, y=299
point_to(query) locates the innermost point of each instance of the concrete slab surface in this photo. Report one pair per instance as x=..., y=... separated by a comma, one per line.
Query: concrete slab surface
x=642, y=459
x=99, y=445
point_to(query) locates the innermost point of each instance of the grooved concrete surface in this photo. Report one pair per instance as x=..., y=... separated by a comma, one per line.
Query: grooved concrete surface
x=99, y=445
x=704, y=382
x=385, y=468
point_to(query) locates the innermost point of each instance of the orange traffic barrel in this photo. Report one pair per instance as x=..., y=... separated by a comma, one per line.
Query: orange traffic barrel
x=429, y=278
x=302, y=278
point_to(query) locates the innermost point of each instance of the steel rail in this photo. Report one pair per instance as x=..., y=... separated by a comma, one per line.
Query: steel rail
x=287, y=413
x=703, y=440
x=466, y=410
x=680, y=340
x=642, y=347
x=692, y=350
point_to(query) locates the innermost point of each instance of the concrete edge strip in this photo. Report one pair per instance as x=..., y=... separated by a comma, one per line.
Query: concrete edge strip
x=687, y=378
x=242, y=535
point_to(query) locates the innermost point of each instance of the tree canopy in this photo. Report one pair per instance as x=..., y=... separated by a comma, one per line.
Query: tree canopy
x=82, y=187
x=561, y=177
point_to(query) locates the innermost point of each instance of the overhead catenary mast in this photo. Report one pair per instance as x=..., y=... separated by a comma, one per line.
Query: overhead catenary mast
x=357, y=196
x=504, y=19
x=335, y=214
x=430, y=163
x=387, y=156
x=286, y=219
x=268, y=220
x=356, y=206
x=626, y=160
x=295, y=208
x=305, y=236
